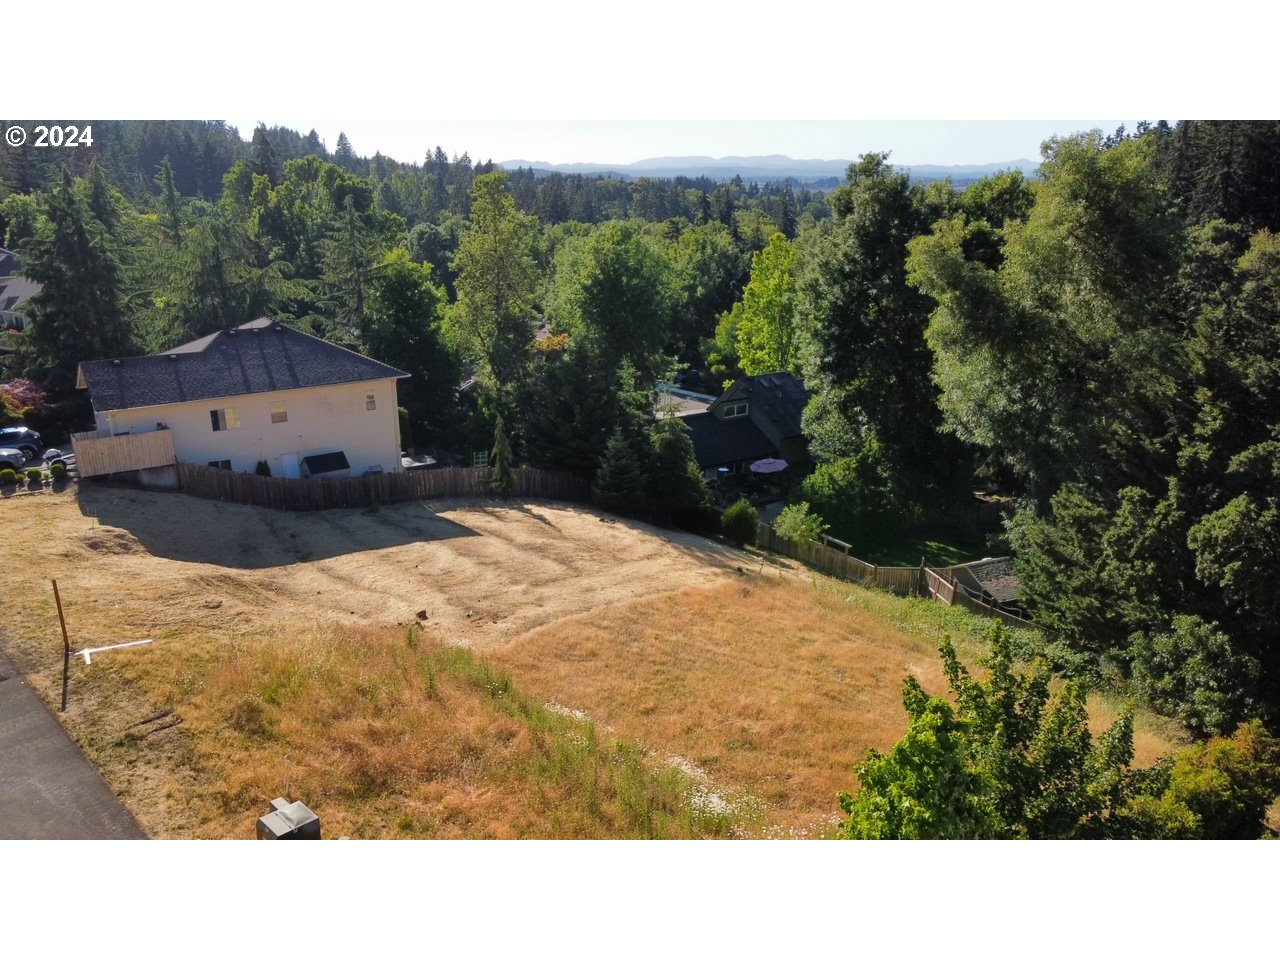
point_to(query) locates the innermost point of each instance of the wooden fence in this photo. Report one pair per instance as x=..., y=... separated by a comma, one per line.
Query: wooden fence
x=942, y=585
x=939, y=586
x=317, y=494
x=977, y=606
x=101, y=454
x=904, y=581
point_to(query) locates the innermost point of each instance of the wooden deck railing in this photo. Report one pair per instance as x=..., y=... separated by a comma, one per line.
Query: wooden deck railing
x=98, y=454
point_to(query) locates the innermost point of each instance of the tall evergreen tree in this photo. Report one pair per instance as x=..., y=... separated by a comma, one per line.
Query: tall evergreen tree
x=500, y=463
x=264, y=162
x=675, y=486
x=620, y=482
x=570, y=407
x=216, y=283
x=344, y=156
x=349, y=260
x=169, y=202
x=77, y=315
x=102, y=198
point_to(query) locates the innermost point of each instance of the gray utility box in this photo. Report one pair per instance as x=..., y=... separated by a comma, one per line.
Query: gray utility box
x=289, y=821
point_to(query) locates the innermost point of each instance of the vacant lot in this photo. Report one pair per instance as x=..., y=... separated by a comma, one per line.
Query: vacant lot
x=133, y=565
x=624, y=681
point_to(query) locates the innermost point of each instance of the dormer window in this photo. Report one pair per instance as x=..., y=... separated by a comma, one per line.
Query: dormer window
x=732, y=410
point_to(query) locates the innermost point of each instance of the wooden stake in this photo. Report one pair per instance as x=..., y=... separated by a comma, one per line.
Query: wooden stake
x=66, y=648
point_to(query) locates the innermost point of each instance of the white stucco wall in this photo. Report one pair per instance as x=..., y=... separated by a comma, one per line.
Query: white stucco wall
x=320, y=420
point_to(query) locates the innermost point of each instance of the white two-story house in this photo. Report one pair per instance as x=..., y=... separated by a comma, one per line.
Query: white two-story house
x=258, y=392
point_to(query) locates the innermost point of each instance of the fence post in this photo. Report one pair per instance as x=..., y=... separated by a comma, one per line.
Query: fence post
x=66, y=648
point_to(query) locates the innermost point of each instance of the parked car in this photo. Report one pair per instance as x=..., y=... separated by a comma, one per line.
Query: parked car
x=21, y=438
x=12, y=459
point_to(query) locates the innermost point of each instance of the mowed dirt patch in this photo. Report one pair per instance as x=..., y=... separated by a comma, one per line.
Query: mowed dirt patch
x=134, y=565
x=217, y=587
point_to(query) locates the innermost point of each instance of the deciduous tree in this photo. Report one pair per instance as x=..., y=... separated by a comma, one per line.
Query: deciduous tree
x=497, y=283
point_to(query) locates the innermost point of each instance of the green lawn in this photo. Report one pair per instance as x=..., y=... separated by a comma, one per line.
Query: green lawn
x=940, y=548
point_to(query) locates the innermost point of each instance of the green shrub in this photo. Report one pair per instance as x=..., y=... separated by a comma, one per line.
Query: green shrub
x=58, y=472
x=35, y=475
x=263, y=469
x=675, y=483
x=8, y=477
x=739, y=522
x=797, y=523
x=1195, y=672
x=619, y=482
x=859, y=497
x=1216, y=790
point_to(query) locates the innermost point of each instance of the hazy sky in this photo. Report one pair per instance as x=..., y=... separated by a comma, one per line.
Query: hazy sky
x=619, y=141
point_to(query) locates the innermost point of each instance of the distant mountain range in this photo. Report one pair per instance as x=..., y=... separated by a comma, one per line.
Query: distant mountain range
x=775, y=167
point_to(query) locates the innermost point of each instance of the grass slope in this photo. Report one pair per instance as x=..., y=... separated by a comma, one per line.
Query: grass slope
x=625, y=684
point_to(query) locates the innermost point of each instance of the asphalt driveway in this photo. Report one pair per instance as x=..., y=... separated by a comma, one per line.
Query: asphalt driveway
x=48, y=788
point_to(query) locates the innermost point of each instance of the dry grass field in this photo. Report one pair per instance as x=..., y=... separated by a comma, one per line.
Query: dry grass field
x=573, y=676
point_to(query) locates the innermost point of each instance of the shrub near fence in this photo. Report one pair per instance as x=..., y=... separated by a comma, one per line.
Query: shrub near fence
x=283, y=493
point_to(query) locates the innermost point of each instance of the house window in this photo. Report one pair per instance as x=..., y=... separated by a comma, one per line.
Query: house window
x=370, y=402
x=732, y=410
x=227, y=419
x=480, y=458
x=278, y=412
x=220, y=464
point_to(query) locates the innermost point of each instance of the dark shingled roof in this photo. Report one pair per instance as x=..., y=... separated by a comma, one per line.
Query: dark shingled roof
x=717, y=442
x=776, y=402
x=995, y=576
x=261, y=356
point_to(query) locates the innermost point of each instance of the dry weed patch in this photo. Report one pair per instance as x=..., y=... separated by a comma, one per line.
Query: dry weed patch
x=773, y=688
x=383, y=733
x=630, y=684
x=770, y=688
